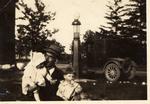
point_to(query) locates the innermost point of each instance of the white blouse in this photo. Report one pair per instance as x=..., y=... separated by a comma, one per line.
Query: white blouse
x=33, y=76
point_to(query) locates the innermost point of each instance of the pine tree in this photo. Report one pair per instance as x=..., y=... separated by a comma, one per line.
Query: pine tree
x=135, y=24
x=114, y=17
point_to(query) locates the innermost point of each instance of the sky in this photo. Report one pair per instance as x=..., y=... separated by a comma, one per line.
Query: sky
x=91, y=16
x=91, y=13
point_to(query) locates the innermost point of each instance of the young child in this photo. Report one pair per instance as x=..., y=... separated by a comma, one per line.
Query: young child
x=69, y=89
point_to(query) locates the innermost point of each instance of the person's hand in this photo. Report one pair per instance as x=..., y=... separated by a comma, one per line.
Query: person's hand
x=53, y=81
x=32, y=87
x=49, y=78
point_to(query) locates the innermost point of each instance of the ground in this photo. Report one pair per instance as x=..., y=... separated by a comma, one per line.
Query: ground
x=95, y=85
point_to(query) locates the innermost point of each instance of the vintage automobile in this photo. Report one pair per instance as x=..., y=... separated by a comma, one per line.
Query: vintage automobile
x=116, y=58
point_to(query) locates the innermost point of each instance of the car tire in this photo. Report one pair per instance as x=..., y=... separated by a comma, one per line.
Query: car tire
x=112, y=72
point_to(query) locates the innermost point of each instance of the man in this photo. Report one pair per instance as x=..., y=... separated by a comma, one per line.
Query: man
x=45, y=90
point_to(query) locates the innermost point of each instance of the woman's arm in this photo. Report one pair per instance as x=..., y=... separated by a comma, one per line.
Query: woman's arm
x=36, y=95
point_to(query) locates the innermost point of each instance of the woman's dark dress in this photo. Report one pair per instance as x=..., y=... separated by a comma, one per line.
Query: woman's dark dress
x=48, y=92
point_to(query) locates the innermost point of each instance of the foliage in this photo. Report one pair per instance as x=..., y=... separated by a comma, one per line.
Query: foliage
x=127, y=25
x=34, y=34
x=114, y=17
x=135, y=24
x=88, y=36
x=128, y=20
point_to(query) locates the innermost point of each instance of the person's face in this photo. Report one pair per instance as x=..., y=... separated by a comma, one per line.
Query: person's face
x=50, y=59
x=69, y=77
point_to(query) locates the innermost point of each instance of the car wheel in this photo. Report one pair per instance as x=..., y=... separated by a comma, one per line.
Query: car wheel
x=112, y=72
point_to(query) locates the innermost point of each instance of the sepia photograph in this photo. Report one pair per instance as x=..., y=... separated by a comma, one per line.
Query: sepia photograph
x=73, y=50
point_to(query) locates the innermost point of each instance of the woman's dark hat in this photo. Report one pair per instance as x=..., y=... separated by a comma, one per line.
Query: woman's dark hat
x=54, y=49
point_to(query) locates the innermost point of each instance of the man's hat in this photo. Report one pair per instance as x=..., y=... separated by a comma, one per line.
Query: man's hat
x=54, y=49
